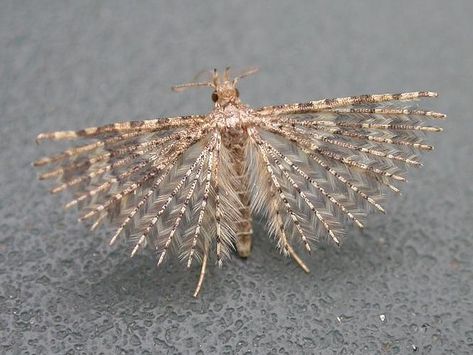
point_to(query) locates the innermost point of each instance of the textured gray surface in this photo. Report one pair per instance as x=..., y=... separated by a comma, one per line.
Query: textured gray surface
x=70, y=64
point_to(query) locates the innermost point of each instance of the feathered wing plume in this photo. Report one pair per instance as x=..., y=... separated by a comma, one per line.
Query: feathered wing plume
x=323, y=163
x=163, y=183
x=179, y=184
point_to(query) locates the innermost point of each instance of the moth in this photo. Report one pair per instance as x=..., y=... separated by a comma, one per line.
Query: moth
x=190, y=185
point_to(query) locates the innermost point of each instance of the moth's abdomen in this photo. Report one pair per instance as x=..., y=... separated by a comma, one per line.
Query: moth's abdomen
x=236, y=140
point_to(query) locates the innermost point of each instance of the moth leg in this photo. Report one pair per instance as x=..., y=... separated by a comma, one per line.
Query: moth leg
x=202, y=273
x=285, y=244
x=296, y=258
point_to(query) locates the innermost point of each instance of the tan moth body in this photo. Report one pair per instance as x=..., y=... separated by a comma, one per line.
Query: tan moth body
x=191, y=184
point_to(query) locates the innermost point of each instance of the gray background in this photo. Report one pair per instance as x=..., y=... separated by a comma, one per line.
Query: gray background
x=71, y=64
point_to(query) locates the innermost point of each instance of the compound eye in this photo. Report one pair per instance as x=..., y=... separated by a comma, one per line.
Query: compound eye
x=214, y=96
x=237, y=93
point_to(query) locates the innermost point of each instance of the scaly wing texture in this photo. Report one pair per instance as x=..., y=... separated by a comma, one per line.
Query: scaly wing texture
x=160, y=182
x=322, y=163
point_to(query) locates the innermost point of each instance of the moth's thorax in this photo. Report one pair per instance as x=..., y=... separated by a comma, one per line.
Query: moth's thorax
x=232, y=115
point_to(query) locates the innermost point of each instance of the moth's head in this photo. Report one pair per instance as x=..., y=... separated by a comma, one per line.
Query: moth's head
x=223, y=84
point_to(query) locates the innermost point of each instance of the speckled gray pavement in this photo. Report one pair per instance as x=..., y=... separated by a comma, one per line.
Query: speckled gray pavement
x=71, y=64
